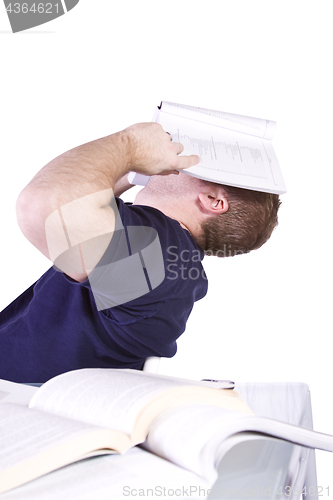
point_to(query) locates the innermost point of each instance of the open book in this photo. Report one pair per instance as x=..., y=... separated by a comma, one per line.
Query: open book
x=92, y=412
x=234, y=150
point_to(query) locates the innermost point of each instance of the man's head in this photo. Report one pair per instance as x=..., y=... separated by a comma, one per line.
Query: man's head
x=225, y=221
x=246, y=225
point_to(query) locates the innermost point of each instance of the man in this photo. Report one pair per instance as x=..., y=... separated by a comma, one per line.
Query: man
x=125, y=277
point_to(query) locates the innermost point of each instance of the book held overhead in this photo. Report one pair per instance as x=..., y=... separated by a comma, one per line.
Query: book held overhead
x=234, y=150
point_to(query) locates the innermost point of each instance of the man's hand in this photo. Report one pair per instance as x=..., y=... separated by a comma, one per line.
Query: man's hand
x=151, y=151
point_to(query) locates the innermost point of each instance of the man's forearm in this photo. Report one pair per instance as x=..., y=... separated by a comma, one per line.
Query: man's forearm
x=84, y=170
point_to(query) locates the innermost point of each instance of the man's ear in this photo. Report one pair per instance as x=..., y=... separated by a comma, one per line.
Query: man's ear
x=213, y=201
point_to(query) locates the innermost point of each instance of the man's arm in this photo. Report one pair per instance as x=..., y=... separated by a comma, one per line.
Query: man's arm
x=66, y=209
x=122, y=185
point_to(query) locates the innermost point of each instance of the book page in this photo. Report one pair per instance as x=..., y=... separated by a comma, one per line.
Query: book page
x=135, y=474
x=109, y=398
x=118, y=399
x=226, y=157
x=245, y=124
x=25, y=433
x=186, y=437
x=11, y=392
x=33, y=443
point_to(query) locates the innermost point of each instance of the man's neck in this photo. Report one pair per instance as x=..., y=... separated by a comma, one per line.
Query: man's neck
x=180, y=208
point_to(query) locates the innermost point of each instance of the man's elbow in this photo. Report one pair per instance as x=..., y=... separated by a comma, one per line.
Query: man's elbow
x=30, y=214
x=74, y=237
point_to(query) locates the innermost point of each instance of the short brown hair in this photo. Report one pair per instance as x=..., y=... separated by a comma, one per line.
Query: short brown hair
x=246, y=225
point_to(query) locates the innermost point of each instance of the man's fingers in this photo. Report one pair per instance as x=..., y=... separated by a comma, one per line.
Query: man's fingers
x=188, y=161
x=178, y=147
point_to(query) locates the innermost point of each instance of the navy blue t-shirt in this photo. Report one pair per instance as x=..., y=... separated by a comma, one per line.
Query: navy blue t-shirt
x=130, y=308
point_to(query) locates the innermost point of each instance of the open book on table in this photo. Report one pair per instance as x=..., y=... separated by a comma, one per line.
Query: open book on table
x=91, y=412
x=234, y=150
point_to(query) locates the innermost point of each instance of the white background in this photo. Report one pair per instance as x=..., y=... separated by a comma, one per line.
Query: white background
x=106, y=65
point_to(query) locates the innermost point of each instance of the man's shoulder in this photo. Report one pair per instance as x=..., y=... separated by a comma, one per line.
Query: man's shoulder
x=141, y=214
